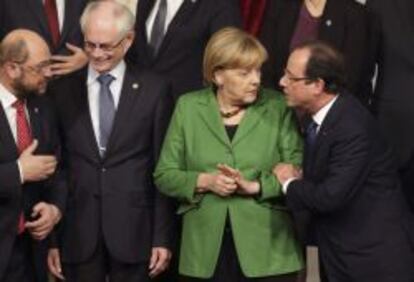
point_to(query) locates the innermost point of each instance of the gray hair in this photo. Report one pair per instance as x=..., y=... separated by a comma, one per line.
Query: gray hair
x=124, y=18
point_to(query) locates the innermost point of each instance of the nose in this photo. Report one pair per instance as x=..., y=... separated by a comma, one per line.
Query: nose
x=283, y=81
x=256, y=77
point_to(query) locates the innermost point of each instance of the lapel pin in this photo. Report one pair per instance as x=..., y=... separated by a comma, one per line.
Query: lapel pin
x=135, y=86
x=193, y=1
x=36, y=110
x=328, y=22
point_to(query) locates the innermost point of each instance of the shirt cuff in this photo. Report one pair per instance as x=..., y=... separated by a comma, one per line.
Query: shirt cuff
x=20, y=172
x=286, y=184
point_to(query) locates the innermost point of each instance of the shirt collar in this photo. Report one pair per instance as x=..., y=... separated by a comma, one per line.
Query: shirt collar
x=117, y=72
x=321, y=114
x=6, y=97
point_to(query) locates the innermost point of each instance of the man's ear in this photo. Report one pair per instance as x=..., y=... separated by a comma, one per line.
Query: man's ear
x=13, y=70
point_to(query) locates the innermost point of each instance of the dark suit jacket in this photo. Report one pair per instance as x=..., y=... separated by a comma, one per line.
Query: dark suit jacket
x=393, y=101
x=352, y=192
x=344, y=24
x=15, y=197
x=114, y=196
x=181, y=53
x=29, y=14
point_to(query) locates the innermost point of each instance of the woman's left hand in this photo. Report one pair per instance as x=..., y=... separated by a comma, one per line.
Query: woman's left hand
x=245, y=187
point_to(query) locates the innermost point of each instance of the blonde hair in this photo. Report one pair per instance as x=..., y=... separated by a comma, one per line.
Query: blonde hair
x=231, y=48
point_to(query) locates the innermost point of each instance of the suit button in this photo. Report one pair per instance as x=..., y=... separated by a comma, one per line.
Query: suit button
x=103, y=169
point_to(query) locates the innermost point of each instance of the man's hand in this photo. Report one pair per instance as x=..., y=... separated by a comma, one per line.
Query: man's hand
x=36, y=167
x=54, y=264
x=244, y=187
x=160, y=260
x=217, y=183
x=46, y=216
x=64, y=64
x=284, y=171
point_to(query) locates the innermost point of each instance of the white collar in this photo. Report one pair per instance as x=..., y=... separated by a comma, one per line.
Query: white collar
x=117, y=72
x=6, y=97
x=321, y=114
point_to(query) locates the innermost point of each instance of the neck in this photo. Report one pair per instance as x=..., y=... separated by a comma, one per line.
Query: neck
x=315, y=7
x=226, y=104
x=322, y=102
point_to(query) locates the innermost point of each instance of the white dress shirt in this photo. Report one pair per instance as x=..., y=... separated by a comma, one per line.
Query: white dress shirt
x=60, y=7
x=172, y=8
x=318, y=118
x=93, y=87
x=7, y=100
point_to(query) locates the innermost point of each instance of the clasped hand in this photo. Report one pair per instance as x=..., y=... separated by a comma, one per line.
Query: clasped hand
x=229, y=181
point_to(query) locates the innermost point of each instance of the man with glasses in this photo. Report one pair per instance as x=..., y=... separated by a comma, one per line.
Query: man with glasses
x=350, y=187
x=112, y=119
x=29, y=205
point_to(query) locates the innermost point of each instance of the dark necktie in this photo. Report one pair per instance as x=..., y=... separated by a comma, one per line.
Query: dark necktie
x=106, y=111
x=310, y=139
x=24, y=139
x=311, y=134
x=52, y=20
x=157, y=33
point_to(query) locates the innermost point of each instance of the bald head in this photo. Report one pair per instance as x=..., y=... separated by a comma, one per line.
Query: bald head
x=20, y=44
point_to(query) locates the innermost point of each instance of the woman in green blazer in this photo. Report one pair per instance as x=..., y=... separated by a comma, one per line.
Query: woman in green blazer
x=217, y=160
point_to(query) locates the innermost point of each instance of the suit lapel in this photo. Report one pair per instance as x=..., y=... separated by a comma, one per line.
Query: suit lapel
x=130, y=91
x=80, y=96
x=68, y=20
x=7, y=142
x=36, y=6
x=332, y=25
x=210, y=115
x=253, y=115
x=180, y=18
x=144, y=8
x=35, y=120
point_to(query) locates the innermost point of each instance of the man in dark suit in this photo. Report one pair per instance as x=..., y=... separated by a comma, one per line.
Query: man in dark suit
x=350, y=186
x=393, y=99
x=112, y=119
x=176, y=52
x=29, y=206
x=57, y=21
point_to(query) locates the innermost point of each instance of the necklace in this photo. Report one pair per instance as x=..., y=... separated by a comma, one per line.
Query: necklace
x=231, y=113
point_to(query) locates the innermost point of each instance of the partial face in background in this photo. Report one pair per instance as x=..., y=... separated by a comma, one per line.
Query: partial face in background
x=240, y=86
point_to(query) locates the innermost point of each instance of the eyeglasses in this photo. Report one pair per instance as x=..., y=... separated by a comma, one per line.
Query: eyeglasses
x=105, y=47
x=41, y=67
x=294, y=78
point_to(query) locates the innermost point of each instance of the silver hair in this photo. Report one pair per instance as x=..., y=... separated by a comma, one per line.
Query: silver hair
x=124, y=19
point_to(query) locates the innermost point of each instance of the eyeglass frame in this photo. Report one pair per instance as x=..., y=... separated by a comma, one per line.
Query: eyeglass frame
x=104, y=47
x=289, y=75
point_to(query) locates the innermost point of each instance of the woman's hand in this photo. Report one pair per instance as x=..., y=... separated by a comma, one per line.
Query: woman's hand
x=244, y=187
x=217, y=183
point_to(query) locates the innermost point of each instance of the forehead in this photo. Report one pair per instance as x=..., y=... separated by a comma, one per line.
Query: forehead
x=297, y=61
x=38, y=52
x=101, y=27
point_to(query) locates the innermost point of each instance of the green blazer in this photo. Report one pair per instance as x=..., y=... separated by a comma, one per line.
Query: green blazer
x=196, y=142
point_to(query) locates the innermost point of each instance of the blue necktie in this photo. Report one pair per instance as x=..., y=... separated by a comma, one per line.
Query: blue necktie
x=157, y=33
x=311, y=134
x=106, y=111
